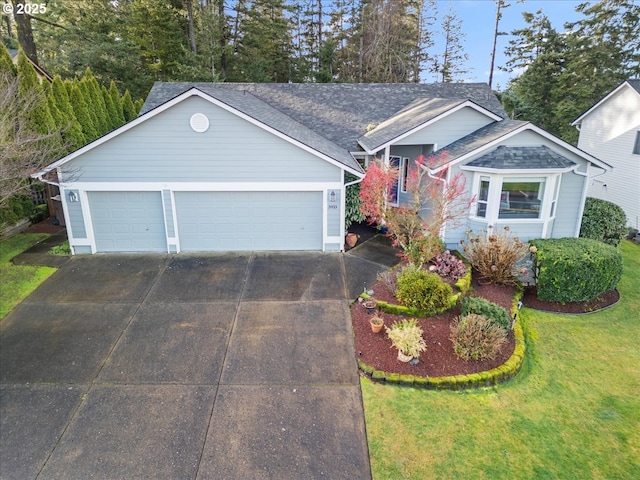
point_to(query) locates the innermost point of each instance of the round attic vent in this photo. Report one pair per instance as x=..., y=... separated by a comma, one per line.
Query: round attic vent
x=199, y=122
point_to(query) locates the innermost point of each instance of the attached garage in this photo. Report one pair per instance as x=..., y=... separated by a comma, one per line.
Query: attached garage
x=238, y=221
x=128, y=221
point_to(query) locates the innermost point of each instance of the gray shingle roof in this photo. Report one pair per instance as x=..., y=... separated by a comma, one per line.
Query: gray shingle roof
x=340, y=112
x=473, y=141
x=411, y=116
x=505, y=157
x=635, y=83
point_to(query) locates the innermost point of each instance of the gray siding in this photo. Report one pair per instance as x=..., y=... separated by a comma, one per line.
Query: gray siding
x=165, y=148
x=448, y=129
x=76, y=219
x=568, y=208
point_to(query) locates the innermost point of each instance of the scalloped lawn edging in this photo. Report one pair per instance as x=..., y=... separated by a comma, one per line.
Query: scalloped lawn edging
x=497, y=375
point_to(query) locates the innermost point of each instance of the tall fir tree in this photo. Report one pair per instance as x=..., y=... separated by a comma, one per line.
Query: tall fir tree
x=128, y=108
x=449, y=66
x=40, y=119
x=72, y=130
x=116, y=99
x=82, y=112
x=96, y=102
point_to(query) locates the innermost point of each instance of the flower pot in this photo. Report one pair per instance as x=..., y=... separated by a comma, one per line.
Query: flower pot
x=404, y=358
x=376, y=324
x=370, y=305
x=351, y=239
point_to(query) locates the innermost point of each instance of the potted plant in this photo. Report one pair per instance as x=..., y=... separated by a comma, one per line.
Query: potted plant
x=376, y=324
x=351, y=239
x=370, y=304
x=406, y=336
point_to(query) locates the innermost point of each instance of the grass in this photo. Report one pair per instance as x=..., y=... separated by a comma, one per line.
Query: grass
x=573, y=412
x=19, y=281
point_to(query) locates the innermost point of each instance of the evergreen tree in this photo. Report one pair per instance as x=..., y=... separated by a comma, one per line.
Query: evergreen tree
x=128, y=108
x=72, y=130
x=117, y=103
x=112, y=116
x=95, y=100
x=450, y=64
x=6, y=64
x=39, y=119
x=82, y=112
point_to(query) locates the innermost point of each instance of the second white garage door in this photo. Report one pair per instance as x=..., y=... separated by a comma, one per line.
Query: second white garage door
x=244, y=221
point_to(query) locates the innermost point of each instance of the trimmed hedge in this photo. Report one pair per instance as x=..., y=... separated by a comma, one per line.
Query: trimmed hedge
x=481, y=306
x=603, y=221
x=575, y=269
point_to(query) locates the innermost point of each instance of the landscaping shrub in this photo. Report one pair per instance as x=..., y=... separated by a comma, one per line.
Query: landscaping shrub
x=603, y=221
x=575, y=269
x=448, y=265
x=17, y=208
x=423, y=290
x=481, y=306
x=476, y=337
x=406, y=336
x=496, y=256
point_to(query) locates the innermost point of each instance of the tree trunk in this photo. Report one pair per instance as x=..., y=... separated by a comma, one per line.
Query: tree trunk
x=25, y=33
x=192, y=32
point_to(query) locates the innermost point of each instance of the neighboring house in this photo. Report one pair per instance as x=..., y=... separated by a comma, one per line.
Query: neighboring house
x=42, y=75
x=220, y=167
x=610, y=130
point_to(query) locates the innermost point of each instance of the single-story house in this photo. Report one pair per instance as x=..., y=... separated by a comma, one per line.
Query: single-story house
x=610, y=130
x=232, y=167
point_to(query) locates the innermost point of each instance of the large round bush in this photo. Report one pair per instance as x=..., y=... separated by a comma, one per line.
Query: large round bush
x=423, y=290
x=603, y=221
x=575, y=269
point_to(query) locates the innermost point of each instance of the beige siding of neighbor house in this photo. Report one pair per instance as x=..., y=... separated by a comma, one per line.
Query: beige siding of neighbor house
x=609, y=133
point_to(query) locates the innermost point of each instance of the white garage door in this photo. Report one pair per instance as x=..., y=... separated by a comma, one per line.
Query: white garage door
x=128, y=221
x=243, y=221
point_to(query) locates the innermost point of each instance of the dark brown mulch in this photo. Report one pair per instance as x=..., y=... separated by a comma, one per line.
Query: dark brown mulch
x=45, y=226
x=375, y=349
x=607, y=299
x=364, y=230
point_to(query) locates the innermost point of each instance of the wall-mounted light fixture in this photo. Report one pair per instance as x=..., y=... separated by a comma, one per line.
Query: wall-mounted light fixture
x=73, y=197
x=332, y=197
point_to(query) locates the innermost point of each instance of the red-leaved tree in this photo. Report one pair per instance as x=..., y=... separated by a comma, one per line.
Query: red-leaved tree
x=433, y=201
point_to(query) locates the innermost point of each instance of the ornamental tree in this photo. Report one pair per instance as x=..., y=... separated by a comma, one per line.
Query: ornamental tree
x=435, y=199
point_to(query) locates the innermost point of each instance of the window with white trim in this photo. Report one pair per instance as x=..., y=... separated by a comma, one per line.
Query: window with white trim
x=483, y=197
x=404, y=174
x=636, y=146
x=510, y=197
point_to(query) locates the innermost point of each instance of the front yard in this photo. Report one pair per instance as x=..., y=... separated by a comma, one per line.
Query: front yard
x=572, y=412
x=17, y=282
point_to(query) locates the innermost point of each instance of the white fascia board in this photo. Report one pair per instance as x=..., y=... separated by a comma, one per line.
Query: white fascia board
x=529, y=126
x=204, y=186
x=517, y=171
x=165, y=106
x=613, y=92
x=467, y=103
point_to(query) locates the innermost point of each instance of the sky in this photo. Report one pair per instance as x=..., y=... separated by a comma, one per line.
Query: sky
x=478, y=23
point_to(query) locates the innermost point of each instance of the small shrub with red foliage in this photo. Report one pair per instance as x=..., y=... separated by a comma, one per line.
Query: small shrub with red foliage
x=447, y=265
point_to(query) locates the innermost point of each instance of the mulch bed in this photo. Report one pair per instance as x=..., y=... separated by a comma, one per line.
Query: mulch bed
x=45, y=226
x=439, y=360
x=375, y=349
x=605, y=300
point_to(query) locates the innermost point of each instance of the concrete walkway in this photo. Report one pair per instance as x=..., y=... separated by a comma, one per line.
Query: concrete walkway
x=188, y=367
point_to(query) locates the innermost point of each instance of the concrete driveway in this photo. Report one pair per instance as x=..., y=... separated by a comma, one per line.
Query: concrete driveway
x=187, y=367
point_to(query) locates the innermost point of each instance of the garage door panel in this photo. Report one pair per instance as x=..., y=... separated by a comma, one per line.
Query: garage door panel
x=236, y=221
x=128, y=221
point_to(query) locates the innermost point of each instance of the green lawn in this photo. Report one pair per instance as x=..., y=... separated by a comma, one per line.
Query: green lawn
x=573, y=412
x=16, y=283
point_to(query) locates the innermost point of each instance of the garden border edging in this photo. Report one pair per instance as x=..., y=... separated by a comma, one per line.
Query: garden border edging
x=496, y=375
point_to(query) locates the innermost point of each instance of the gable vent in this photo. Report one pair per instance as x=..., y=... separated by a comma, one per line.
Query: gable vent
x=199, y=122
